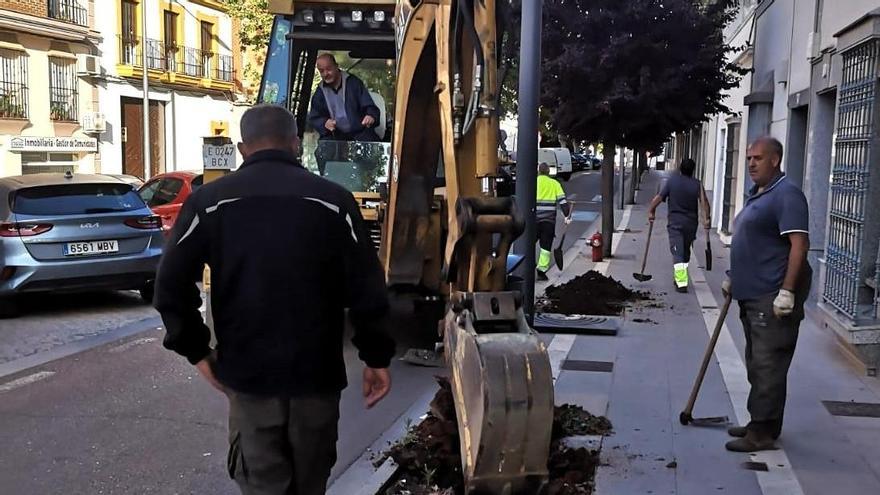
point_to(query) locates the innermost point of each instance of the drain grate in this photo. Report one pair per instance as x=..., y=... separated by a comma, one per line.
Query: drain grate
x=755, y=466
x=852, y=409
x=578, y=324
x=597, y=366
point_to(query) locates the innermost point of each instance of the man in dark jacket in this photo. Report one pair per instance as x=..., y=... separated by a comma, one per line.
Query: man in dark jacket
x=288, y=253
x=341, y=110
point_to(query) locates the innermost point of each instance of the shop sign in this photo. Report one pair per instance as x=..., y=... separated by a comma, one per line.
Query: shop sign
x=52, y=143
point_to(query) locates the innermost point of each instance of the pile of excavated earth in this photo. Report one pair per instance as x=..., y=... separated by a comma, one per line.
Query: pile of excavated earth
x=590, y=294
x=429, y=458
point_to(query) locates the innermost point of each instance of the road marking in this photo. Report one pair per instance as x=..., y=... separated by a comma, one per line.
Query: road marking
x=25, y=380
x=781, y=478
x=133, y=343
x=558, y=351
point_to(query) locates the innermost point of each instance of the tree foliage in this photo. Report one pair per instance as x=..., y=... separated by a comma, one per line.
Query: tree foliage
x=633, y=72
x=256, y=27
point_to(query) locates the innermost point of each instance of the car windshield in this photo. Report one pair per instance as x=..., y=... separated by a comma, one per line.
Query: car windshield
x=76, y=199
x=358, y=166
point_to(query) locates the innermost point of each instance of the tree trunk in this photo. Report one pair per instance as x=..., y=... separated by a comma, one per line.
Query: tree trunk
x=633, y=178
x=609, y=151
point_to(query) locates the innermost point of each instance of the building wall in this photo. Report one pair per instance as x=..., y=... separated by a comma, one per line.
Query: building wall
x=37, y=8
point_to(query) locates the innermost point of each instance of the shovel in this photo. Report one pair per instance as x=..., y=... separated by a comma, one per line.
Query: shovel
x=641, y=277
x=686, y=417
x=708, y=252
x=557, y=253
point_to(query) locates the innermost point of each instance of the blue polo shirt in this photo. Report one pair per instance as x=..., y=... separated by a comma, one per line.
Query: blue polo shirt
x=760, y=248
x=683, y=196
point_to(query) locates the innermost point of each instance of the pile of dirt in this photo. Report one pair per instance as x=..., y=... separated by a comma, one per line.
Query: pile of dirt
x=430, y=460
x=590, y=294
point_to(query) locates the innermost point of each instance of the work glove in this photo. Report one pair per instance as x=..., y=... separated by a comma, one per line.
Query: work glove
x=567, y=220
x=725, y=288
x=783, y=305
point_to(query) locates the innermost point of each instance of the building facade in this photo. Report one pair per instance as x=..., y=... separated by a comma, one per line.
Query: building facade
x=815, y=67
x=192, y=57
x=45, y=93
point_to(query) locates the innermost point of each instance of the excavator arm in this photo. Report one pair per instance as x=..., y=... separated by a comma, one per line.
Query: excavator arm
x=446, y=119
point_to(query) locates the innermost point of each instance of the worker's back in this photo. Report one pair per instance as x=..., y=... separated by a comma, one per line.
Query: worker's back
x=549, y=194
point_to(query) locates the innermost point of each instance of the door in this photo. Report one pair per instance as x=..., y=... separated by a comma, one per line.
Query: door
x=730, y=166
x=129, y=38
x=133, y=137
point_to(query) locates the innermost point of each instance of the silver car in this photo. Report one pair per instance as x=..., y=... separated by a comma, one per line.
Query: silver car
x=74, y=232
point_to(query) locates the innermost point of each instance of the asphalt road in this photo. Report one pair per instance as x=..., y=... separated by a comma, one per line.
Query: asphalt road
x=128, y=417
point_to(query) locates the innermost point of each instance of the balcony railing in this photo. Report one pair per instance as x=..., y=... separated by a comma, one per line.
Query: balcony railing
x=69, y=11
x=183, y=60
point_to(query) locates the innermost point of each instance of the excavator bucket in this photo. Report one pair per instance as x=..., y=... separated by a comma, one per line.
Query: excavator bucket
x=503, y=390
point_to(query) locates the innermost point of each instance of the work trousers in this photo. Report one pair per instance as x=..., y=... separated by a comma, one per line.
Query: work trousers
x=681, y=238
x=282, y=446
x=770, y=345
x=546, y=233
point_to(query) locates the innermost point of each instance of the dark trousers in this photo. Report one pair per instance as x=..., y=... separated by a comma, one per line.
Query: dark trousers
x=770, y=345
x=546, y=233
x=681, y=238
x=282, y=446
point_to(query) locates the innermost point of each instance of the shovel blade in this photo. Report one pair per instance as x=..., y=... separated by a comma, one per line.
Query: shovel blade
x=641, y=277
x=711, y=421
x=558, y=255
x=708, y=259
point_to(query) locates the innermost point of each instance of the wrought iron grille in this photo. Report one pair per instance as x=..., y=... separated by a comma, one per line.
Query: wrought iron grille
x=170, y=57
x=13, y=84
x=69, y=11
x=847, y=267
x=63, y=94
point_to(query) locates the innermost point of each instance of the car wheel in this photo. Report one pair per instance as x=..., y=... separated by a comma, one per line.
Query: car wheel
x=565, y=176
x=8, y=308
x=147, y=292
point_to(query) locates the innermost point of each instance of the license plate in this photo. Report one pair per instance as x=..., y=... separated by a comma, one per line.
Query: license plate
x=90, y=248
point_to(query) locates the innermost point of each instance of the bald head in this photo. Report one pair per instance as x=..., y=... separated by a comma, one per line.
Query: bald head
x=268, y=127
x=328, y=69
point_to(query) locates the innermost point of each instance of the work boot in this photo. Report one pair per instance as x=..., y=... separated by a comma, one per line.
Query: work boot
x=683, y=289
x=542, y=276
x=740, y=432
x=752, y=442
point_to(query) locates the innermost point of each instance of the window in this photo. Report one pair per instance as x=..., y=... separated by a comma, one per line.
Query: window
x=68, y=11
x=33, y=162
x=62, y=89
x=207, y=31
x=13, y=84
x=171, y=41
x=161, y=192
x=76, y=199
x=128, y=36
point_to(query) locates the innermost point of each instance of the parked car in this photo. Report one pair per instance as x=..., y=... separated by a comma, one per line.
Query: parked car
x=165, y=194
x=580, y=161
x=136, y=182
x=74, y=232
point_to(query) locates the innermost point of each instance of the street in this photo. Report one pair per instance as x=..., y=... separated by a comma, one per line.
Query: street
x=123, y=415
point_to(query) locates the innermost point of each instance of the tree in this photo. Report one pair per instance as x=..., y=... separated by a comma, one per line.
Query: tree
x=632, y=73
x=256, y=27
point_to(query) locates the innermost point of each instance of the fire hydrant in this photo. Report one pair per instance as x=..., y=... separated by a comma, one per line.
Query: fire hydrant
x=596, y=244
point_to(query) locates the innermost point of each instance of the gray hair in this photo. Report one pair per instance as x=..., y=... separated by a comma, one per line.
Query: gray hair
x=268, y=123
x=328, y=56
x=772, y=144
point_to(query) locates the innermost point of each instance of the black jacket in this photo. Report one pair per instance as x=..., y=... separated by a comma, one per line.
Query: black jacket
x=288, y=253
x=358, y=104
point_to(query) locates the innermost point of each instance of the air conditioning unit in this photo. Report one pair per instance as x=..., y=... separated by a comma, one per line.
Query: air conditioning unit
x=88, y=65
x=93, y=122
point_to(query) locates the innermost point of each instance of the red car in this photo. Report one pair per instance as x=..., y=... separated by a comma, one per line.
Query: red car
x=165, y=194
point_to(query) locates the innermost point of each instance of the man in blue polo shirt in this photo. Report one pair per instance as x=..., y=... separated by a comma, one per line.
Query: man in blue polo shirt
x=770, y=279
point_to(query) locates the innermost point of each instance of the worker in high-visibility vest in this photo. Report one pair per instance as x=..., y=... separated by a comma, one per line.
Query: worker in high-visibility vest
x=550, y=197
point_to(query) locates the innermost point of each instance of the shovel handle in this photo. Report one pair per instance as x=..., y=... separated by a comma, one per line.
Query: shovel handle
x=647, y=245
x=710, y=349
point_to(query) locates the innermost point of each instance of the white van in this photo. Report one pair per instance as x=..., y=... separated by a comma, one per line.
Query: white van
x=559, y=160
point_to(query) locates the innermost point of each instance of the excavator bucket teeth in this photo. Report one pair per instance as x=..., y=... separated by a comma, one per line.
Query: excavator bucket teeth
x=503, y=390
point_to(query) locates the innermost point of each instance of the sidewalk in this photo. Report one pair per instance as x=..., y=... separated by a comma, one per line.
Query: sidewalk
x=656, y=359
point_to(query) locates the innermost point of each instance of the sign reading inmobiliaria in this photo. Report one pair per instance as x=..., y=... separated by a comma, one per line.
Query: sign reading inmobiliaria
x=52, y=143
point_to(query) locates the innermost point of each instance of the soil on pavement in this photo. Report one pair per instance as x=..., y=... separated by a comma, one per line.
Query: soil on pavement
x=590, y=294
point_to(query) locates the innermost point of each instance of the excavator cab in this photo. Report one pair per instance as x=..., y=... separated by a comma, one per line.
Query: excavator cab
x=426, y=185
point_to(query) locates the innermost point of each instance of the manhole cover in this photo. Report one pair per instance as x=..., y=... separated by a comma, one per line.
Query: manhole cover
x=852, y=409
x=597, y=366
x=580, y=324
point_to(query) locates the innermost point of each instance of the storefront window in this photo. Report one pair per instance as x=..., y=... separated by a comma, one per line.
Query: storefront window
x=41, y=162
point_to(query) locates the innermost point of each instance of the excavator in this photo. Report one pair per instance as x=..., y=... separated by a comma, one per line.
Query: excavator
x=441, y=226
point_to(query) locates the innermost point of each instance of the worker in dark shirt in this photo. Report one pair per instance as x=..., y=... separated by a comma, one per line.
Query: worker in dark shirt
x=770, y=279
x=341, y=110
x=288, y=252
x=684, y=194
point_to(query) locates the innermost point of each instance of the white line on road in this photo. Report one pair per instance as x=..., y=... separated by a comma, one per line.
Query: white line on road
x=133, y=343
x=25, y=380
x=780, y=479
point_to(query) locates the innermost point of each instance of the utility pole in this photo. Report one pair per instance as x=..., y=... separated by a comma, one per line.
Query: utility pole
x=146, y=84
x=527, y=147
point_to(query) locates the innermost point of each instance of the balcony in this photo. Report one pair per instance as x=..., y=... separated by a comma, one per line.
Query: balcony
x=69, y=11
x=176, y=60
